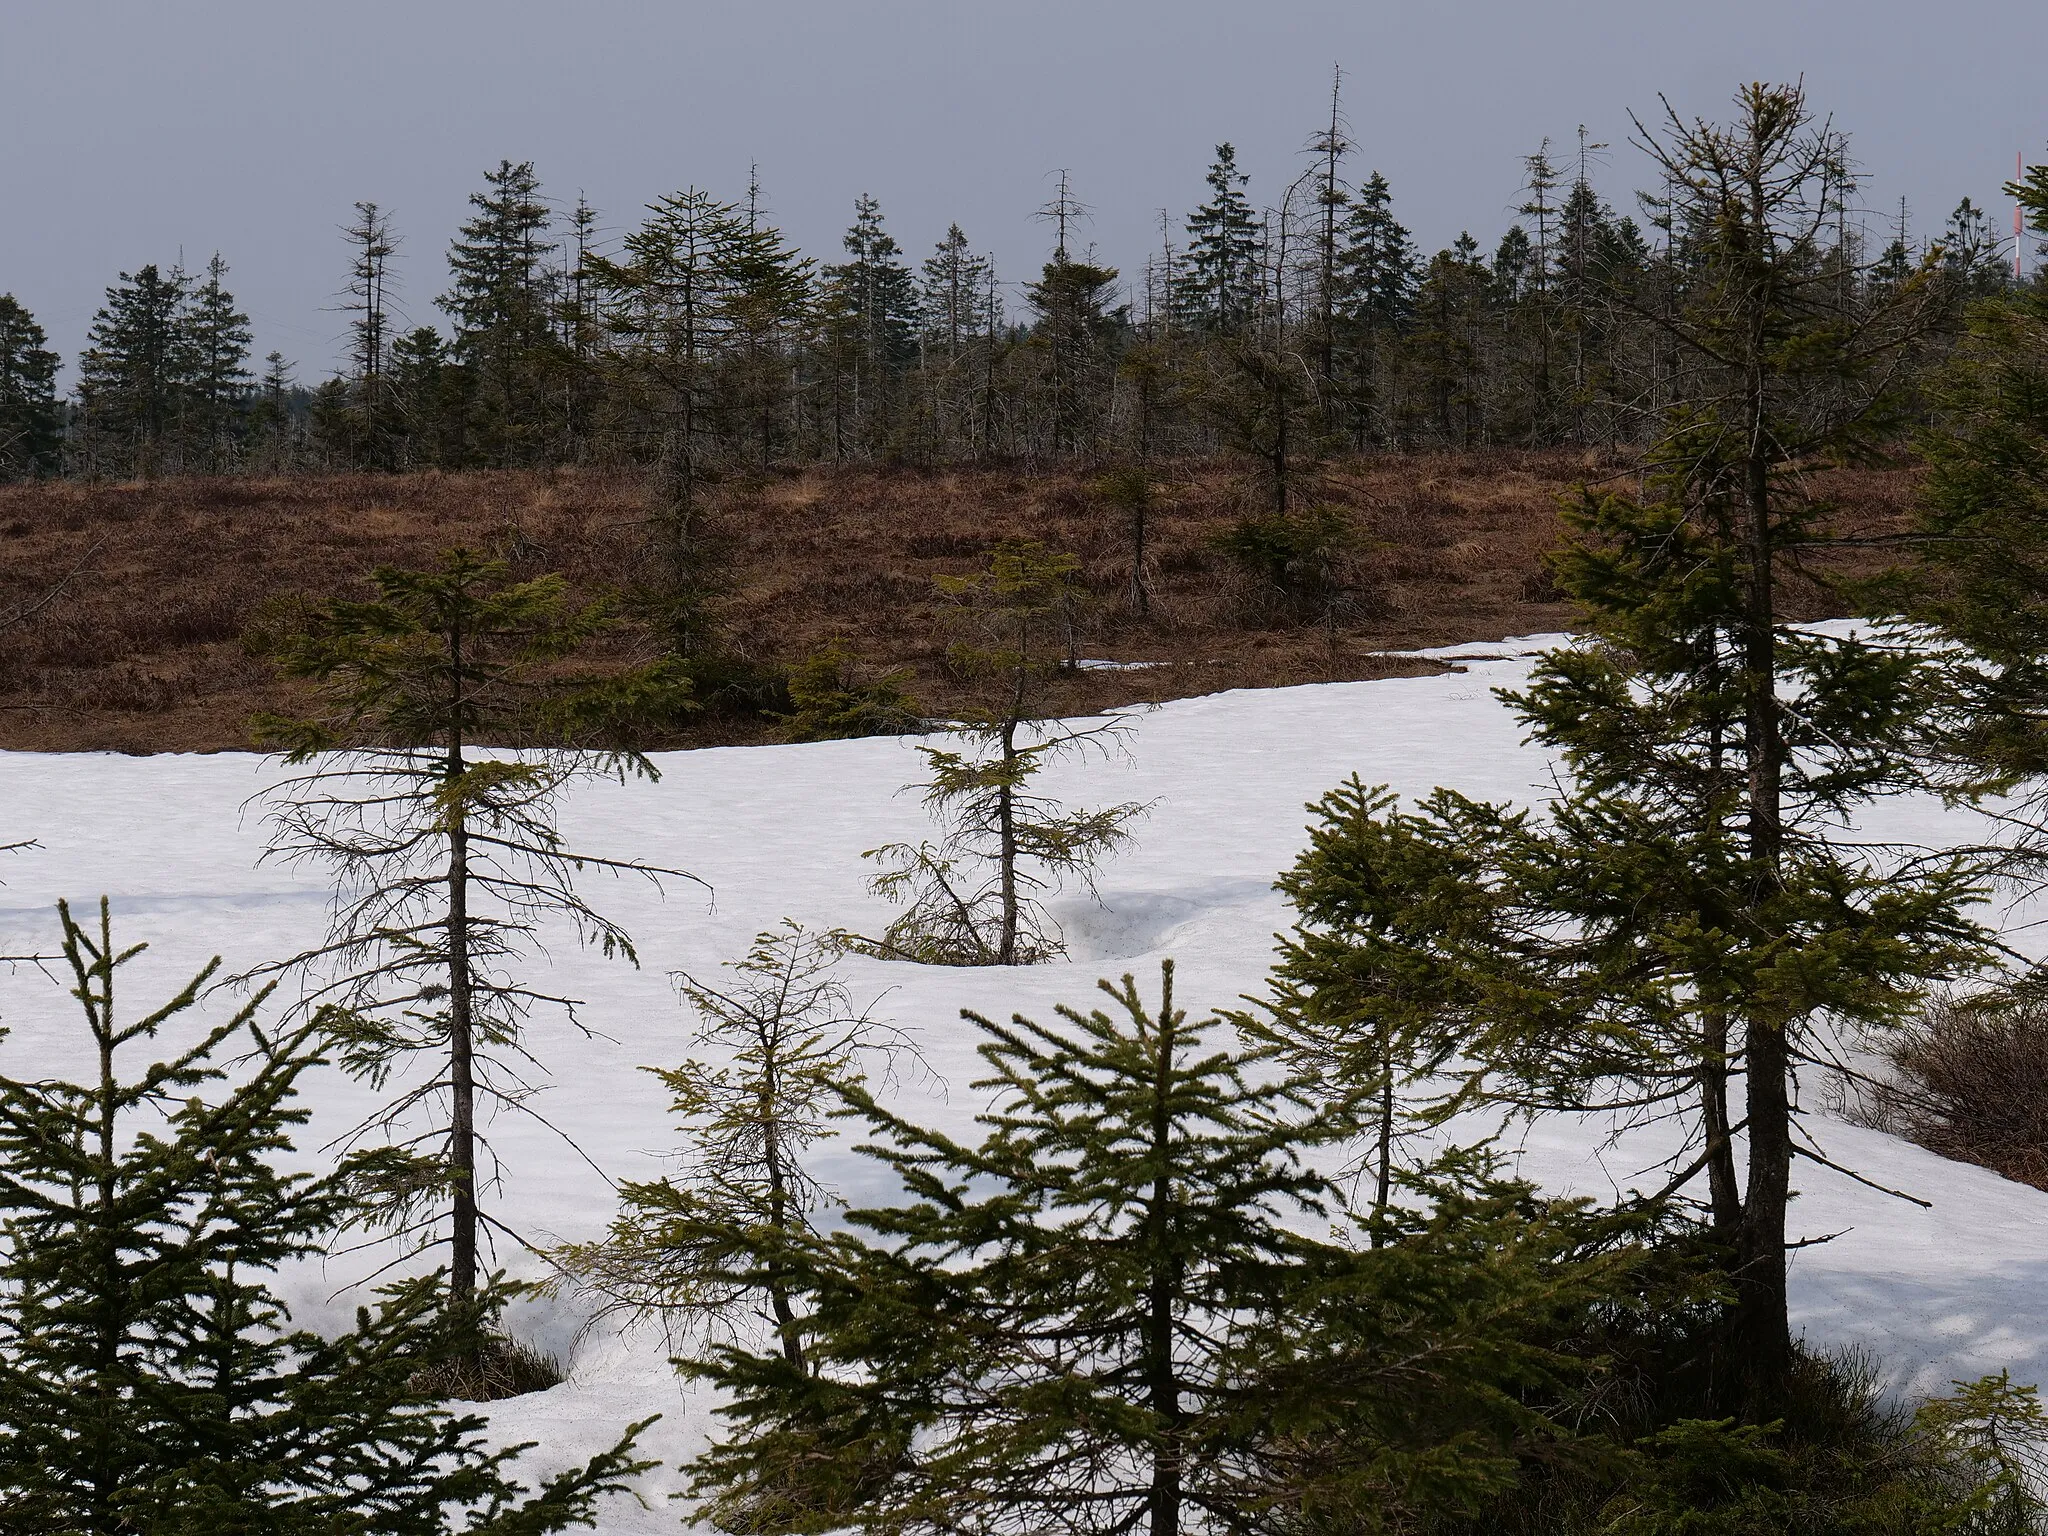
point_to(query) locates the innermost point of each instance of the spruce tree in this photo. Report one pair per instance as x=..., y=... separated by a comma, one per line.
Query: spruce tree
x=1786, y=367
x=1682, y=929
x=367, y=300
x=1542, y=178
x=1528, y=361
x=1131, y=491
x=995, y=333
x=785, y=1042
x=1375, y=280
x=150, y=1376
x=372, y=243
x=1074, y=334
x=1254, y=383
x=1983, y=555
x=975, y=897
x=1626, y=951
x=1119, y=1311
x=951, y=284
x=1374, y=992
x=31, y=423
x=1969, y=253
x=501, y=303
x=869, y=310
x=580, y=332
x=1681, y=951
x=1514, y=266
x=1218, y=289
x=429, y=394
x=673, y=306
x=135, y=376
x=771, y=300
x=1444, y=352
x=949, y=292
x=878, y=292
x=1376, y=260
x=273, y=415
x=445, y=850
x=1328, y=148
x=1257, y=394
x=1585, y=227
x=1079, y=1276
x=1719, y=926
x=833, y=697
x=217, y=338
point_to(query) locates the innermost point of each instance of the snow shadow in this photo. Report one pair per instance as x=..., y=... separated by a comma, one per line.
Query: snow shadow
x=1130, y=925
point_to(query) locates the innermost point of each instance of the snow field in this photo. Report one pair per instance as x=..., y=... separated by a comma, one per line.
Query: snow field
x=175, y=841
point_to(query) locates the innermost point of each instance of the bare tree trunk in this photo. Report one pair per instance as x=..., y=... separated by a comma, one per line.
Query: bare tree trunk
x=1144, y=417
x=1280, y=444
x=1141, y=599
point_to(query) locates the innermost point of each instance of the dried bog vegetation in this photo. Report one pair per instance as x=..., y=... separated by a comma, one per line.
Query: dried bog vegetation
x=143, y=648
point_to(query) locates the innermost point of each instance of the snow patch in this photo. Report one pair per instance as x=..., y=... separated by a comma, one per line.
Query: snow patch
x=1948, y=1292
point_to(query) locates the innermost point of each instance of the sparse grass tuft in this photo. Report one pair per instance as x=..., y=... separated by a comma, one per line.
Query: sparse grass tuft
x=501, y=1368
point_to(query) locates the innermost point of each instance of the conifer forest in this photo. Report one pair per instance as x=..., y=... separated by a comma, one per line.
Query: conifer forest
x=710, y=893
x=1281, y=324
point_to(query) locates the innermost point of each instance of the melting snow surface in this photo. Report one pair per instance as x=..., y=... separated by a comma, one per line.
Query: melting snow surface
x=1951, y=1291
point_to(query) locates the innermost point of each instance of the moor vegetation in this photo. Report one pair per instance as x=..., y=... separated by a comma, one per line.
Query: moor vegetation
x=144, y=650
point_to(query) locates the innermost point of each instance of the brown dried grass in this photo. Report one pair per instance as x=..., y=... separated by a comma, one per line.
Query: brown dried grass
x=141, y=653
x=1969, y=1081
x=499, y=1369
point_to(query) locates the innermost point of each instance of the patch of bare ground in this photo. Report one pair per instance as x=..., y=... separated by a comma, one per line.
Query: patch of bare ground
x=142, y=650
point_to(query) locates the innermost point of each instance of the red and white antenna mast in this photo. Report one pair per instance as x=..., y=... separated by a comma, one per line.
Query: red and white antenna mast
x=2019, y=175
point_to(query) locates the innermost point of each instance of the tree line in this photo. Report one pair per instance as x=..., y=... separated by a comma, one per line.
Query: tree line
x=1281, y=327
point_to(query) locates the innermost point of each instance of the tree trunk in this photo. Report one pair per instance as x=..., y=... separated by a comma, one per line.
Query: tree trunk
x=1163, y=1384
x=1006, y=831
x=106, y=1392
x=778, y=1219
x=1762, y=1332
x=1280, y=443
x=680, y=492
x=1383, y=1191
x=1141, y=600
x=462, y=1265
x=1723, y=1190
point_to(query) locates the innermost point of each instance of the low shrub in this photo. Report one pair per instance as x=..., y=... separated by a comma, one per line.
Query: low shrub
x=1969, y=1080
x=1294, y=564
x=833, y=697
x=728, y=684
x=1847, y=1458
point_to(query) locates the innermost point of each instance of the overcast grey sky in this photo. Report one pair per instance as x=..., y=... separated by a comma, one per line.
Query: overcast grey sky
x=131, y=130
